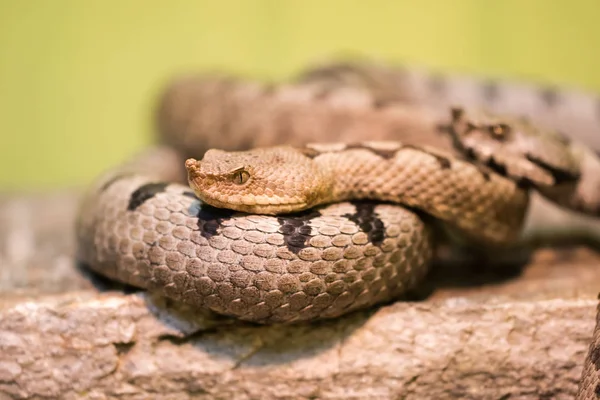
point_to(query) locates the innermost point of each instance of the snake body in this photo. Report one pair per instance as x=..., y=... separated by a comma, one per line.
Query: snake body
x=484, y=206
x=140, y=224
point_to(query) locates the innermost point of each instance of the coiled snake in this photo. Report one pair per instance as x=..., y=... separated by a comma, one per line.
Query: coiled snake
x=323, y=229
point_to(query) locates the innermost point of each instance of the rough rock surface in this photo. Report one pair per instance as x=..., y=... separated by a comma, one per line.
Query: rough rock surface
x=479, y=333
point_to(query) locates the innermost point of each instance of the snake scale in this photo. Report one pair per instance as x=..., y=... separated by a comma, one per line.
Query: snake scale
x=311, y=229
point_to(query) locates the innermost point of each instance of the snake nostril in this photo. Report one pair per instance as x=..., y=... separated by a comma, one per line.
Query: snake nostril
x=191, y=163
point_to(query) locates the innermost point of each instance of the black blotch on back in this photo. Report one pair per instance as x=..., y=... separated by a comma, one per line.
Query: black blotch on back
x=490, y=91
x=550, y=96
x=385, y=154
x=296, y=229
x=145, y=192
x=210, y=219
x=369, y=222
x=559, y=175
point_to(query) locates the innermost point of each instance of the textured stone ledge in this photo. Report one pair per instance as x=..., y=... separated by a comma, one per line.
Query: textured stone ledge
x=128, y=347
x=520, y=334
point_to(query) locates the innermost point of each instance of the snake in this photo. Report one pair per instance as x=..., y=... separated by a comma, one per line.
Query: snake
x=278, y=224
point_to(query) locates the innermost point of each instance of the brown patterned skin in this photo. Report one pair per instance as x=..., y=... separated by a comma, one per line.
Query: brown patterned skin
x=574, y=112
x=513, y=147
x=562, y=170
x=199, y=112
x=481, y=205
x=143, y=230
x=137, y=226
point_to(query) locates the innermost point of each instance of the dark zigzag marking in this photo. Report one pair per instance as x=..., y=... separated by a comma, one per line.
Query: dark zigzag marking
x=368, y=221
x=522, y=182
x=385, y=154
x=444, y=162
x=210, y=219
x=296, y=229
x=559, y=175
x=492, y=164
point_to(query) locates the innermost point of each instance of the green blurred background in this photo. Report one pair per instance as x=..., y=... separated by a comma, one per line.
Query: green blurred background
x=79, y=79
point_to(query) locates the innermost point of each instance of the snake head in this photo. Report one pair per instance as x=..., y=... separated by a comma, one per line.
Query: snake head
x=514, y=148
x=272, y=180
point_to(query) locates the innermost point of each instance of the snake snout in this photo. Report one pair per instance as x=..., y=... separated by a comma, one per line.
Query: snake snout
x=197, y=179
x=193, y=168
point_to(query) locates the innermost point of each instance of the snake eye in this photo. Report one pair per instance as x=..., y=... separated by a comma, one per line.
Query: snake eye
x=240, y=177
x=499, y=131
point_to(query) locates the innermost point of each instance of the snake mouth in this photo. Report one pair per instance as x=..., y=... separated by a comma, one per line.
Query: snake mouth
x=230, y=202
x=254, y=204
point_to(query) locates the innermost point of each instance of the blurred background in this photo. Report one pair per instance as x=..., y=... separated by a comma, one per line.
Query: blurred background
x=79, y=79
